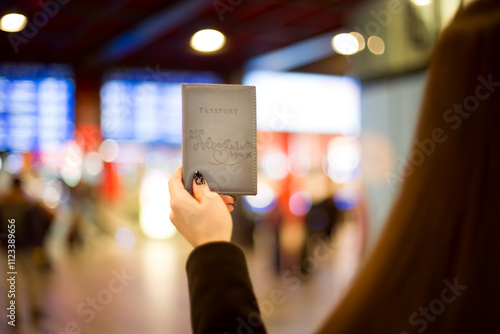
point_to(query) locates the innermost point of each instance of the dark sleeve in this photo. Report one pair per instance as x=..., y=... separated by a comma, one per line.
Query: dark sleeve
x=220, y=291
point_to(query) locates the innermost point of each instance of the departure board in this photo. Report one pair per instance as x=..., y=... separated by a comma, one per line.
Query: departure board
x=145, y=105
x=36, y=107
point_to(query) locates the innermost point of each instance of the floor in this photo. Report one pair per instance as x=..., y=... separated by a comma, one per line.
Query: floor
x=104, y=288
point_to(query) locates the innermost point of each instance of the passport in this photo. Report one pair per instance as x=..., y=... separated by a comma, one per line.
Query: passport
x=219, y=137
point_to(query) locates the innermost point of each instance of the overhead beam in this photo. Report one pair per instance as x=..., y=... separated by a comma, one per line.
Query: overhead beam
x=149, y=30
x=295, y=55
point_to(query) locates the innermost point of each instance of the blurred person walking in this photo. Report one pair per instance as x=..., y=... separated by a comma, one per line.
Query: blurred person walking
x=435, y=268
x=31, y=222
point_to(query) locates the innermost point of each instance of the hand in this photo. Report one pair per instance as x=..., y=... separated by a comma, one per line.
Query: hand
x=201, y=218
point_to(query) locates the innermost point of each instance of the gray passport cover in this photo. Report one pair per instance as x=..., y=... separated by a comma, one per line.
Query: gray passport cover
x=219, y=137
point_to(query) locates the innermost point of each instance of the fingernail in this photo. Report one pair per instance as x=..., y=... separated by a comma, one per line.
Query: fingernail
x=198, y=178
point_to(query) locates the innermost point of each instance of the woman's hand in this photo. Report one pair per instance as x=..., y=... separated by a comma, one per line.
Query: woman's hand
x=201, y=218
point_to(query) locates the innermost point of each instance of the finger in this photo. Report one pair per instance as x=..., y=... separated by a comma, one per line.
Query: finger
x=175, y=183
x=177, y=191
x=200, y=187
x=228, y=198
x=230, y=202
x=230, y=207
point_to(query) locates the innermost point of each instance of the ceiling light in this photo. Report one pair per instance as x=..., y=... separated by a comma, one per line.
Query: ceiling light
x=109, y=150
x=13, y=22
x=345, y=44
x=376, y=45
x=421, y=2
x=361, y=40
x=208, y=40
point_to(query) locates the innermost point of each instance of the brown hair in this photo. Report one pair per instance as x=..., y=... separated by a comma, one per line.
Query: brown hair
x=436, y=266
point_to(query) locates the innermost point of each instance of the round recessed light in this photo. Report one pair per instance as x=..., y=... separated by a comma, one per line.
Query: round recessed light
x=345, y=44
x=361, y=40
x=421, y=2
x=208, y=40
x=376, y=45
x=13, y=22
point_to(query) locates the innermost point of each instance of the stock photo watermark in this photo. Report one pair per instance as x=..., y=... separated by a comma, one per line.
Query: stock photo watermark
x=88, y=308
x=48, y=10
x=454, y=117
x=11, y=272
x=223, y=6
x=381, y=19
x=281, y=118
x=292, y=280
x=425, y=315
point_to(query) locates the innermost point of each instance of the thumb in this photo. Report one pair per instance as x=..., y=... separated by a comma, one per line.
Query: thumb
x=200, y=186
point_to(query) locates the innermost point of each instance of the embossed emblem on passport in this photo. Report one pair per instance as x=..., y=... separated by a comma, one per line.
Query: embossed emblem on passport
x=219, y=137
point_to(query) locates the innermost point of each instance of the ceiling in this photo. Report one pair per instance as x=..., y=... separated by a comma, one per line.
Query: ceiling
x=96, y=34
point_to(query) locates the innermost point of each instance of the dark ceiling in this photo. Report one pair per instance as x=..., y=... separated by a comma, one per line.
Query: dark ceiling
x=98, y=34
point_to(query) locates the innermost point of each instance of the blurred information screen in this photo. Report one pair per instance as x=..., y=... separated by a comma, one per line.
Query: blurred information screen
x=36, y=107
x=306, y=103
x=145, y=105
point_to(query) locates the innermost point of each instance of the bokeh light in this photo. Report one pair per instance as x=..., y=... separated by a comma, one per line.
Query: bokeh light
x=421, y=2
x=71, y=176
x=274, y=165
x=154, y=216
x=345, y=44
x=263, y=202
x=72, y=156
x=300, y=202
x=13, y=22
x=92, y=164
x=299, y=163
x=346, y=198
x=360, y=39
x=14, y=163
x=208, y=40
x=109, y=150
x=343, y=159
x=376, y=45
x=71, y=168
x=51, y=194
x=125, y=238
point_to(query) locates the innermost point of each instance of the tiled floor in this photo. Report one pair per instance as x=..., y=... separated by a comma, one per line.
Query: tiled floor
x=104, y=288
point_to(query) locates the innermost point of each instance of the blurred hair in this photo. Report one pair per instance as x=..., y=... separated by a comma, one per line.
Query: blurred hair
x=444, y=227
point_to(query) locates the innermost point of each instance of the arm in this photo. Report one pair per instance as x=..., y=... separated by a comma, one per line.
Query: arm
x=221, y=295
x=220, y=291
